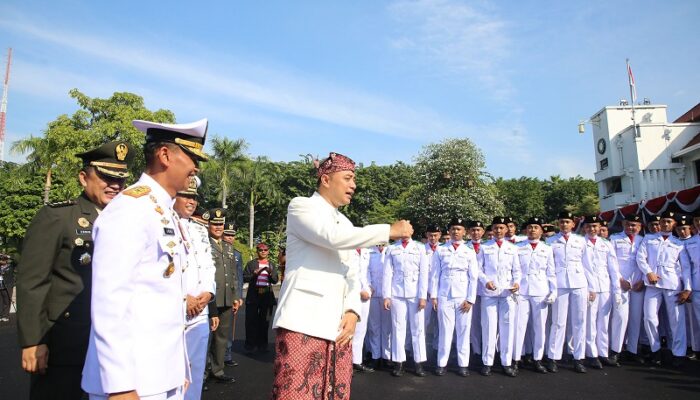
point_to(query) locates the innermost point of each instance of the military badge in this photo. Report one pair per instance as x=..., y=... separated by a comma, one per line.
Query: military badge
x=169, y=271
x=137, y=191
x=85, y=259
x=159, y=210
x=83, y=222
x=79, y=241
x=121, y=151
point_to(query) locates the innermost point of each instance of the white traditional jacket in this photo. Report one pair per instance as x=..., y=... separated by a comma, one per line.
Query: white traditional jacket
x=454, y=273
x=537, y=266
x=662, y=256
x=320, y=284
x=568, y=263
x=406, y=271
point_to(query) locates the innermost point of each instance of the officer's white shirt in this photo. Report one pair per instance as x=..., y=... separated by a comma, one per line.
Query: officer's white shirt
x=690, y=258
x=454, y=273
x=406, y=271
x=538, y=275
x=137, y=334
x=626, y=253
x=567, y=260
x=663, y=258
x=499, y=265
x=376, y=271
x=362, y=260
x=600, y=266
x=200, y=270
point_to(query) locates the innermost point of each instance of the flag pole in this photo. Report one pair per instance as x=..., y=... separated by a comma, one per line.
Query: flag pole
x=633, y=96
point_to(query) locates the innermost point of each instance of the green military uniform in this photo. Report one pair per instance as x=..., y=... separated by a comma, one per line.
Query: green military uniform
x=54, y=279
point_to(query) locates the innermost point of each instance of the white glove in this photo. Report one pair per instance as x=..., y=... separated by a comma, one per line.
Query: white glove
x=618, y=300
x=550, y=298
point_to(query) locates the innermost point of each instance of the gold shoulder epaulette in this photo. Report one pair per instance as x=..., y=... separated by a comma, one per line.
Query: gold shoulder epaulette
x=137, y=191
x=62, y=203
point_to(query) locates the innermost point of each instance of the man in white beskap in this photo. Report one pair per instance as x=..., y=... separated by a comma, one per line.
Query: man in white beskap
x=668, y=283
x=500, y=280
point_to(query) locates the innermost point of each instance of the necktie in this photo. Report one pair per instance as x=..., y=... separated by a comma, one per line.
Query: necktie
x=476, y=246
x=359, y=251
x=404, y=243
x=499, y=243
x=566, y=237
x=533, y=245
x=592, y=240
x=512, y=240
x=664, y=236
x=631, y=238
x=455, y=245
x=433, y=246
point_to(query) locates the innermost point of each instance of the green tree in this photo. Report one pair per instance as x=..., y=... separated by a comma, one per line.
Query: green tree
x=227, y=158
x=568, y=194
x=523, y=197
x=453, y=183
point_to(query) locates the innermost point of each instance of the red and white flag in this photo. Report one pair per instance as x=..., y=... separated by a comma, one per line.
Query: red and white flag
x=633, y=87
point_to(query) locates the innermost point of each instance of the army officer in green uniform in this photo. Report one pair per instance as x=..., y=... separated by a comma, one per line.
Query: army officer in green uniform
x=54, y=276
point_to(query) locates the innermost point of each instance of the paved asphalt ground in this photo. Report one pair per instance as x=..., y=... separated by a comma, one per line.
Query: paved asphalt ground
x=254, y=377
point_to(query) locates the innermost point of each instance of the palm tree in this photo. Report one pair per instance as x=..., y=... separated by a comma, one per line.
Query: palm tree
x=225, y=162
x=41, y=156
x=255, y=178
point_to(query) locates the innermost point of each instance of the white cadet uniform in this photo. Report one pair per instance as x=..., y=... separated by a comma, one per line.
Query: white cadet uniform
x=454, y=280
x=475, y=334
x=603, y=276
x=138, y=316
x=430, y=315
x=405, y=283
x=662, y=256
x=358, y=339
x=500, y=265
x=537, y=284
x=379, y=321
x=199, y=277
x=627, y=317
x=690, y=257
x=572, y=295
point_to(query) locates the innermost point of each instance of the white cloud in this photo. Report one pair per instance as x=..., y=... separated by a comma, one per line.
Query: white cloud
x=462, y=41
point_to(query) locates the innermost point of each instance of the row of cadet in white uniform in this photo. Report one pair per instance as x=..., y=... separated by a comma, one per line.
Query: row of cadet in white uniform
x=564, y=272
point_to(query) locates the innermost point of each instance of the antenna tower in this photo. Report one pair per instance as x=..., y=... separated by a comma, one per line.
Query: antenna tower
x=3, y=106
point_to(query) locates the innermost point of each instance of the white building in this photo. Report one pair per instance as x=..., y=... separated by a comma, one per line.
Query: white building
x=656, y=158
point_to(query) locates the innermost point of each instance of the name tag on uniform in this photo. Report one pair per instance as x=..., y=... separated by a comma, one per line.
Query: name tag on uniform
x=169, y=231
x=83, y=231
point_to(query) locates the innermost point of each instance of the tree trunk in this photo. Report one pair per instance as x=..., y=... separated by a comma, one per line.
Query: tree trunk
x=223, y=194
x=251, y=221
x=47, y=186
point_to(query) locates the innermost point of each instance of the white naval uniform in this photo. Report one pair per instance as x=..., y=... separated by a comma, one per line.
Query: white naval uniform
x=603, y=276
x=405, y=283
x=430, y=315
x=358, y=338
x=138, y=313
x=690, y=257
x=572, y=296
x=454, y=280
x=626, y=321
x=475, y=334
x=662, y=256
x=199, y=276
x=379, y=321
x=500, y=265
x=538, y=281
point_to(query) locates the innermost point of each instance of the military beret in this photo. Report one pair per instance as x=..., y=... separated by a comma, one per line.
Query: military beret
x=566, y=215
x=668, y=214
x=433, y=228
x=548, y=228
x=499, y=220
x=654, y=218
x=683, y=219
x=633, y=218
x=216, y=216
x=475, y=224
x=603, y=223
x=591, y=219
x=190, y=137
x=534, y=221
x=457, y=221
x=111, y=159
x=509, y=220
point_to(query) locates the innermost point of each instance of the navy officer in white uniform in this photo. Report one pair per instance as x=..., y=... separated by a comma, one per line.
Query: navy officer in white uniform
x=137, y=340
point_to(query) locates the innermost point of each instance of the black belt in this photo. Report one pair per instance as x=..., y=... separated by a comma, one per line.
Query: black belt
x=262, y=289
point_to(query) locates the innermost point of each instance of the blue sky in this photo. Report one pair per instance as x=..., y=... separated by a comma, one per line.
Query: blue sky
x=375, y=80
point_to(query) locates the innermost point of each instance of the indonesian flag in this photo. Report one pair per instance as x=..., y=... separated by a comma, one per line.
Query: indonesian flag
x=633, y=87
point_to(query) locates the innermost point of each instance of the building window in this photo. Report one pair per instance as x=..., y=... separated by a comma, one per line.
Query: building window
x=697, y=170
x=613, y=185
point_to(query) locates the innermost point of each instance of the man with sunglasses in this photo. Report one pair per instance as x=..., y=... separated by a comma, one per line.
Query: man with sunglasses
x=54, y=277
x=260, y=274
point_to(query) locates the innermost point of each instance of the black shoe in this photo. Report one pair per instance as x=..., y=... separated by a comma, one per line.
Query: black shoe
x=691, y=355
x=205, y=388
x=398, y=369
x=224, y=378
x=515, y=365
x=375, y=364
x=508, y=370
x=578, y=366
x=677, y=362
x=552, y=366
x=419, y=370
x=538, y=367
x=362, y=368
x=610, y=361
x=595, y=363
x=440, y=371
x=655, y=358
x=485, y=370
x=231, y=363
x=463, y=371
x=387, y=363
x=636, y=358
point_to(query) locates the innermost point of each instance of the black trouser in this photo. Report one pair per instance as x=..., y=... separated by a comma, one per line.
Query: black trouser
x=60, y=382
x=5, y=301
x=257, y=322
x=219, y=339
